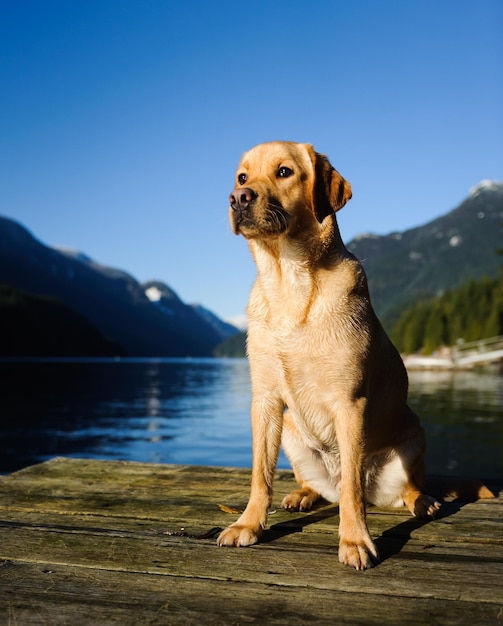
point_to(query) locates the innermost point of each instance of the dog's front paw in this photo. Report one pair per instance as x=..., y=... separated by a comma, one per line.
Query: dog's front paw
x=358, y=555
x=239, y=536
x=300, y=500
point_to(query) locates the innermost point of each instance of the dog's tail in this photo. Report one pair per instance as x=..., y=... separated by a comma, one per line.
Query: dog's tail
x=458, y=487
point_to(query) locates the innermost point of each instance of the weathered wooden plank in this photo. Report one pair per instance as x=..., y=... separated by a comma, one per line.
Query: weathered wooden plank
x=269, y=563
x=63, y=595
x=299, y=529
x=73, y=595
x=184, y=494
x=63, y=477
x=130, y=543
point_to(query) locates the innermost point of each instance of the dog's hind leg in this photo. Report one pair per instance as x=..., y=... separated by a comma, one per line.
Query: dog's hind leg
x=310, y=471
x=400, y=480
x=415, y=499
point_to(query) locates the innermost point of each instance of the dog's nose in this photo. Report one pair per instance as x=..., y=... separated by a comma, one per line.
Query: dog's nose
x=241, y=198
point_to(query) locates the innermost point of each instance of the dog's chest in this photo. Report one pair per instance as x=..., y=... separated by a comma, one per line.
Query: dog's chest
x=311, y=399
x=298, y=334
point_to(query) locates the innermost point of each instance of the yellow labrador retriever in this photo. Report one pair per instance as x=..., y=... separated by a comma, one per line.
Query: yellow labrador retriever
x=327, y=382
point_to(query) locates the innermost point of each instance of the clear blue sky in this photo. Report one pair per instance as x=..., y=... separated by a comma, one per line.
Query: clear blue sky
x=122, y=121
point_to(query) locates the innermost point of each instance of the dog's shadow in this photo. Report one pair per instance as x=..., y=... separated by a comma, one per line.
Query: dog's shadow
x=296, y=524
x=392, y=541
x=389, y=543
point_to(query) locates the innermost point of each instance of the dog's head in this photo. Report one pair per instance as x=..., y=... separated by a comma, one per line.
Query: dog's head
x=284, y=188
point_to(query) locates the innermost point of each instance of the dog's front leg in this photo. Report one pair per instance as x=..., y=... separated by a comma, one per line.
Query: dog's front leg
x=267, y=421
x=356, y=547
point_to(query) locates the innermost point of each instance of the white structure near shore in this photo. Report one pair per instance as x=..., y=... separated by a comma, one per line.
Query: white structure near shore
x=465, y=355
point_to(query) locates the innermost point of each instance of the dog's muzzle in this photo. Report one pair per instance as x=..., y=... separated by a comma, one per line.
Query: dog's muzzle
x=241, y=200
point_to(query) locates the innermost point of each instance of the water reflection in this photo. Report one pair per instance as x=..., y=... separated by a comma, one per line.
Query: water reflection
x=463, y=417
x=170, y=411
x=197, y=412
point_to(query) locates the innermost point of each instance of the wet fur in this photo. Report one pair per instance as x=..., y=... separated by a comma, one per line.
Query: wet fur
x=327, y=382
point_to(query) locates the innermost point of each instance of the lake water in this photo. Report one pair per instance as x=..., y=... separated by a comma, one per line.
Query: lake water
x=196, y=411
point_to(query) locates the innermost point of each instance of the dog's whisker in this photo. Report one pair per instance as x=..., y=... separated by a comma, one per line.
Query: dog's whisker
x=276, y=215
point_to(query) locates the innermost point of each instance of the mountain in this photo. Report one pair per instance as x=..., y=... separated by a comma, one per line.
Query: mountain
x=404, y=268
x=223, y=329
x=145, y=320
x=185, y=316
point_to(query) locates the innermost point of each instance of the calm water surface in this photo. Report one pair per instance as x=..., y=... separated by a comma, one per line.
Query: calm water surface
x=197, y=412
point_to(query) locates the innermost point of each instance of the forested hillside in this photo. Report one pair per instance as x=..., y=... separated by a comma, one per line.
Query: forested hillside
x=32, y=325
x=470, y=312
x=234, y=347
x=418, y=264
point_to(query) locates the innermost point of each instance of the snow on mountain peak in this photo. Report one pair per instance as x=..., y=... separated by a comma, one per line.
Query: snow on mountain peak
x=366, y=236
x=485, y=185
x=239, y=321
x=72, y=253
x=154, y=294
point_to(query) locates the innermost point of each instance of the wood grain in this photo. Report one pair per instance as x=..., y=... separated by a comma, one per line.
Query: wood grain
x=102, y=542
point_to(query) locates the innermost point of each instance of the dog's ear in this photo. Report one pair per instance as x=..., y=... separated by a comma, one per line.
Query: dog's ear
x=330, y=190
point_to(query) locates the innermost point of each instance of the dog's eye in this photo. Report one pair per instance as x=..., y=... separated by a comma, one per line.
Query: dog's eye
x=284, y=172
x=242, y=179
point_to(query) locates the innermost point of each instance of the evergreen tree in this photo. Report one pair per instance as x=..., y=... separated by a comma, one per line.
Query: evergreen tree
x=471, y=312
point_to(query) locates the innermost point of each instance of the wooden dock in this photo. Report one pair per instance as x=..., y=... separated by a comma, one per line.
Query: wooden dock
x=103, y=542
